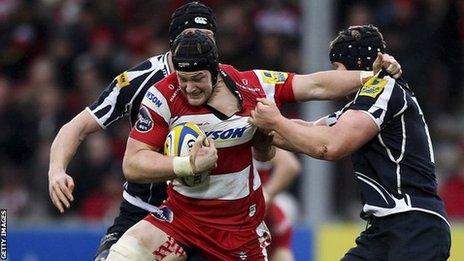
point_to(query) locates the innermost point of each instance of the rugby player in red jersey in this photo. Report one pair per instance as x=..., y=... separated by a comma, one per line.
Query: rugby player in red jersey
x=222, y=217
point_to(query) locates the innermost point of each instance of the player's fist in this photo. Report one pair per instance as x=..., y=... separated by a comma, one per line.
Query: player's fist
x=388, y=63
x=203, y=155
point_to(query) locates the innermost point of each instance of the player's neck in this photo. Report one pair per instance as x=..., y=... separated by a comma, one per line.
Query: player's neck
x=223, y=100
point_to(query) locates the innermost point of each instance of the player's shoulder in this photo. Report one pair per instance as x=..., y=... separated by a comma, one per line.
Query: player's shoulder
x=384, y=92
x=163, y=93
x=269, y=77
x=167, y=85
x=379, y=86
x=155, y=68
x=244, y=79
x=154, y=63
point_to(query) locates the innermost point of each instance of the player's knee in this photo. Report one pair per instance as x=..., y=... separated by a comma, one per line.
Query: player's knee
x=129, y=248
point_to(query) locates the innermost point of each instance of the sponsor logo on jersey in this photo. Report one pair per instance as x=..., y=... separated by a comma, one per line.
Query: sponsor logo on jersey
x=373, y=87
x=200, y=20
x=122, y=80
x=174, y=95
x=164, y=214
x=144, y=123
x=152, y=97
x=273, y=77
x=226, y=134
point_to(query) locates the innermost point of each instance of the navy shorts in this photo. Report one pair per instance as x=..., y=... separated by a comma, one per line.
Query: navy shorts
x=129, y=215
x=412, y=235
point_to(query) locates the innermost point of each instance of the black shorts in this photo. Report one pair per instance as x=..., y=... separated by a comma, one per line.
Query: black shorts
x=412, y=235
x=129, y=215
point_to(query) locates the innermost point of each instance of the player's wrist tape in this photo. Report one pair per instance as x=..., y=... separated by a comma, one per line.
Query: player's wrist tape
x=182, y=166
x=364, y=76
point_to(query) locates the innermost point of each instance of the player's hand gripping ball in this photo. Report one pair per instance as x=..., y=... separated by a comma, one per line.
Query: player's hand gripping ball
x=178, y=143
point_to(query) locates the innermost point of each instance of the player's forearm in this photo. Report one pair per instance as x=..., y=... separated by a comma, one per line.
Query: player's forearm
x=282, y=143
x=315, y=141
x=143, y=165
x=64, y=147
x=326, y=85
x=68, y=140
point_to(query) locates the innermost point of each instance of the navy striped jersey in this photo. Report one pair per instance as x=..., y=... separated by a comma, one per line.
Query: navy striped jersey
x=395, y=169
x=122, y=98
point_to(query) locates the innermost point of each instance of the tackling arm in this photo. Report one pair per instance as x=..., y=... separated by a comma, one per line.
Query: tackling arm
x=281, y=142
x=63, y=148
x=326, y=85
x=352, y=130
x=330, y=85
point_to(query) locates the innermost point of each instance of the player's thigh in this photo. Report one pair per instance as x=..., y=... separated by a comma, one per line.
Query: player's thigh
x=371, y=244
x=158, y=242
x=428, y=238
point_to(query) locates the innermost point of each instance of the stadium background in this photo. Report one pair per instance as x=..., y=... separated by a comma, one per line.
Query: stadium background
x=56, y=56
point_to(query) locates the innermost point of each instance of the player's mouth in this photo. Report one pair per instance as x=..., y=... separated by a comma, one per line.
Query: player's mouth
x=195, y=95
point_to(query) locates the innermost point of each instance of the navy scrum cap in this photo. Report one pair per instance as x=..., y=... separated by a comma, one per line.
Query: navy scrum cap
x=191, y=15
x=357, y=47
x=195, y=51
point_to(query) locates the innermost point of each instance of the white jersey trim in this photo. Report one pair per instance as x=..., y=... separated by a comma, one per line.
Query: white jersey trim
x=136, y=201
x=95, y=118
x=155, y=100
x=429, y=140
x=109, y=101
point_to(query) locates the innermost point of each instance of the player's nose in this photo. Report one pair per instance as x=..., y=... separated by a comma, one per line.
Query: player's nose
x=190, y=86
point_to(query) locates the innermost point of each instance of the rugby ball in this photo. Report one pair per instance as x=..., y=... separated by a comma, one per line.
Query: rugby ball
x=178, y=142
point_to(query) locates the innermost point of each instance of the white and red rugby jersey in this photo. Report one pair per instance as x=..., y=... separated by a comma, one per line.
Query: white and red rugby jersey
x=232, y=196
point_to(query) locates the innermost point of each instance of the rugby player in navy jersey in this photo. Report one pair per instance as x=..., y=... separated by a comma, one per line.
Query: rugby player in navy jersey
x=384, y=130
x=121, y=99
x=222, y=217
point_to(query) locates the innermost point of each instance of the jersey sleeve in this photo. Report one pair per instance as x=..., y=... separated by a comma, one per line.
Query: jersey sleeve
x=382, y=99
x=152, y=125
x=115, y=101
x=276, y=85
x=333, y=117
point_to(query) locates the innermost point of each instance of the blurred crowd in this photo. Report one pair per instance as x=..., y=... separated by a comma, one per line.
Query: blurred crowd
x=56, y=56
